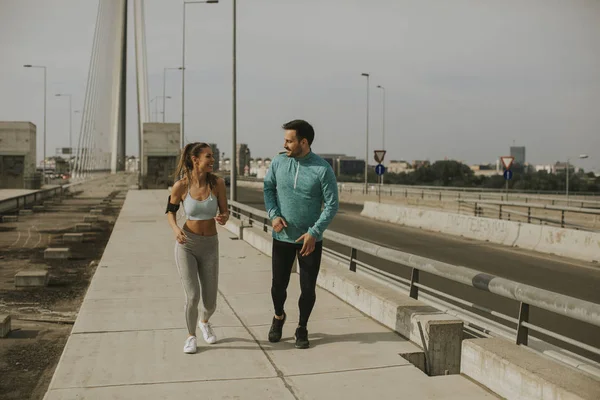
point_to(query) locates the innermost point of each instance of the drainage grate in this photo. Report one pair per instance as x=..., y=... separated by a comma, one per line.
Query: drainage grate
x=234, y=238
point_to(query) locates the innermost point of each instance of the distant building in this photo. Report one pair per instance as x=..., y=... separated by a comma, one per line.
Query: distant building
x=561, y=167
x=243, y=159
x=485, y=169
x=344, y=165
x=519, y=154
x=421, y=163
x=398, y=167
x=216, y=155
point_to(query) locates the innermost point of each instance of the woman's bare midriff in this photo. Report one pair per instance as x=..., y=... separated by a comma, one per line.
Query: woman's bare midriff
x=201, y=228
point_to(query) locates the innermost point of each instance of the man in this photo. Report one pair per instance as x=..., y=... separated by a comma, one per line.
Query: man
x=297, y=184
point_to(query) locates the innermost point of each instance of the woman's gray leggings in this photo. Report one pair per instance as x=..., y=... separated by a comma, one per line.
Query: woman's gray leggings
x=198, y=264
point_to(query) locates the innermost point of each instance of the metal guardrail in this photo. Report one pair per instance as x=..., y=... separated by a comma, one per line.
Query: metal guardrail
x=504, y=210
x=456, y=194
x=527, y=295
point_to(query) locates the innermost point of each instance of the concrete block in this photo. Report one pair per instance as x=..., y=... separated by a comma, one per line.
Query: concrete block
x=4, y=325
x=83, y=227
x=25, y=212
x=32, y=278
x=437, y=333
x=38, y=208
x=91, y=218
x=73, y=238
x=49, y=203
x=106, y=201
x=517, y=372
x=97, y=211
x=61, y=253
x=9, y=218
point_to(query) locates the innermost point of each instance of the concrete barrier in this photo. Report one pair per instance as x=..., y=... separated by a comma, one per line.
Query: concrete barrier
x=516, y=372
x=4, y=325
x=90, y=218
x=570, y=243
x=73, y=238
x=32, y=278
x=60, y=253
x=25, y=212
x=10, y=218
x=83, y=227
x=438, y=334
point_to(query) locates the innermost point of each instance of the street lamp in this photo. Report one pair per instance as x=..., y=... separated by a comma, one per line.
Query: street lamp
x=70, y=115
x=581, y=156
x=44, y=162
x=383, y=124
x=165, y=87
x=233, y=179
x=185, y=3
x=367, y=144
x=156, y=105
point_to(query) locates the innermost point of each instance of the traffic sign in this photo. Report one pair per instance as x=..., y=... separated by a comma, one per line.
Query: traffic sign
x=508, y=174
x=379, y=156
x=507, y=161
x=379, y=169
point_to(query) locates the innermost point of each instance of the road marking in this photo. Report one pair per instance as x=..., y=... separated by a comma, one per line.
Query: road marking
x=16, y=241
x=28, y=237
x=40, y=239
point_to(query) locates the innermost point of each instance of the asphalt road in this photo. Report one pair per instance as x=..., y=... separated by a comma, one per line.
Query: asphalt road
x=570, y=277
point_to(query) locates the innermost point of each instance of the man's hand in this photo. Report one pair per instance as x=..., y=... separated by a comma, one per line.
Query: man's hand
x=278, y=224
x=309, y=244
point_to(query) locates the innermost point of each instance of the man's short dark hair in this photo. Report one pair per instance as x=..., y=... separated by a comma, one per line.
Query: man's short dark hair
x=303, y=129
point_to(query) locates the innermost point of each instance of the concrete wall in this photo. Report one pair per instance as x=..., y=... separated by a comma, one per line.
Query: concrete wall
x=571, y=243
x=18, y=139
x=161, y=153
x=516, y=372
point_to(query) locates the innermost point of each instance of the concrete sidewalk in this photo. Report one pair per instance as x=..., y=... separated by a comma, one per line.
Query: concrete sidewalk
x=127, y=342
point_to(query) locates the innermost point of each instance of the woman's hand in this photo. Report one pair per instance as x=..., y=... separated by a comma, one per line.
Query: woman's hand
x=222, y=218
x=180, y=235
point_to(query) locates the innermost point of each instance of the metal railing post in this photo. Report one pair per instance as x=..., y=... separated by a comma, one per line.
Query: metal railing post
x=414, y=278
x=353, y=254
x=522, y=331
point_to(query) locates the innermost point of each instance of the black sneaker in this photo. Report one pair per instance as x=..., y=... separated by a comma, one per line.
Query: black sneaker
x=302, y=338
x=276, y=328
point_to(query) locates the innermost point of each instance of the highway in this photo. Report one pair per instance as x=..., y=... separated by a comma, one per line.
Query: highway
x=570, y=277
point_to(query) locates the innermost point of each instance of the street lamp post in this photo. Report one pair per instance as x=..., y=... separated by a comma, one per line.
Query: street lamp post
x=383, y=124
x=44, y=161
x=367, y=140
x=70, y=124
x=233, y=179
x=165, y=87
x=185, y=3
x=70, y=115
x=582, y=156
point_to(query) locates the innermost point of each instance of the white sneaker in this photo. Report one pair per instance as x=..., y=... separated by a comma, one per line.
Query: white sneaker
x=207, y=332
x=190, y=346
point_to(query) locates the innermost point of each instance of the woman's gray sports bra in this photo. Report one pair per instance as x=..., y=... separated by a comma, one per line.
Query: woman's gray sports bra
x=200, y=210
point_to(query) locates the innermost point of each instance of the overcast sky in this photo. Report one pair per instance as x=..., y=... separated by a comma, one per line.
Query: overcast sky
x=464, y=78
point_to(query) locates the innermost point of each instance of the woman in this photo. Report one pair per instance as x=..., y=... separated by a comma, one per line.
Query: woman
x=197, y=244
